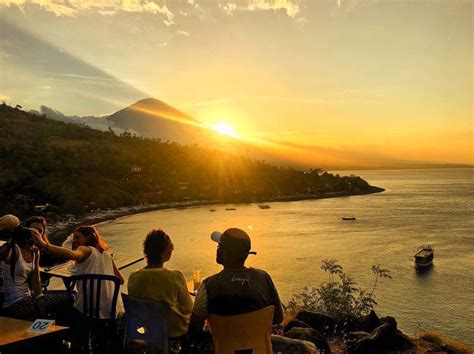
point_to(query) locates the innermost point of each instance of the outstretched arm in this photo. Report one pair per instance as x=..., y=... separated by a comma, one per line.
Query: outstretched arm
x=80, y=254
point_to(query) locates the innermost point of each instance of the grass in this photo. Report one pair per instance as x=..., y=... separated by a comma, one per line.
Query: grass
x=428, y=341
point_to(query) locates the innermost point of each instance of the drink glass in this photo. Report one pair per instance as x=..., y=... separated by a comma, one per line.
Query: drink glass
x=197, y=278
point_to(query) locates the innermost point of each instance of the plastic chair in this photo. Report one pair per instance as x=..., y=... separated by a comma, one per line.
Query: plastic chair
x=91, y=290
x=146, y=321
x=246, y=332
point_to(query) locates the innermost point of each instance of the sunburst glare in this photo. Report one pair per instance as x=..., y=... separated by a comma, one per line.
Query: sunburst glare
x=224, y=129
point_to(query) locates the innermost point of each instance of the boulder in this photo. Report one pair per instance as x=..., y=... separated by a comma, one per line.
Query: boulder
x=389, y=319
x=385, y=338
x=295, y=323
x=319, y=321
x=371, y=322
x=282, y=345
x=310, y=335
x=358, y=335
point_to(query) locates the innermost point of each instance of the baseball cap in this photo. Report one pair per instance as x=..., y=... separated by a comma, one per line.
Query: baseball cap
x=233, y=239
x=9, y=222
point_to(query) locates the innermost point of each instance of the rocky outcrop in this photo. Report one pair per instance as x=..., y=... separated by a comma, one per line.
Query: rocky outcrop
x=295, y=323
x=283, y=344
x=384, y=338
x=321, y=322
x=311, y=335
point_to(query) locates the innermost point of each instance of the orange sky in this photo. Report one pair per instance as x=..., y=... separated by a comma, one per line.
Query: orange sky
x=389, y=79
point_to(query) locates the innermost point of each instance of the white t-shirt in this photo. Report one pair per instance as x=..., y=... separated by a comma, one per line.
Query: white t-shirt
x=97, y=263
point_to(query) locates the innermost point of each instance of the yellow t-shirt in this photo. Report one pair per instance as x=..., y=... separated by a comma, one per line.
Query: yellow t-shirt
x=167, y=285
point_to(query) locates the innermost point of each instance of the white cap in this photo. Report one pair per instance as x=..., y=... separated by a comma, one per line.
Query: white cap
x=216, y=236
x=9, y=222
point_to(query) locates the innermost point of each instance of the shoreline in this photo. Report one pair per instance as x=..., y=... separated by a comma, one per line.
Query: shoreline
x=60, y=230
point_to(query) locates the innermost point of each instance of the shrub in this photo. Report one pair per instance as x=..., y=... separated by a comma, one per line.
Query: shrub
x=340, y=296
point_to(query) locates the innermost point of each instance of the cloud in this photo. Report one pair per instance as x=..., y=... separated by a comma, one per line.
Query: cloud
x=291, y=7
x=302, y=21
x=183, y=33
x=4, y=98
x=72, y=8
x=228, y=8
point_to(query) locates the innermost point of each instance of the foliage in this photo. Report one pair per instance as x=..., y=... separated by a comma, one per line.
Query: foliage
x=340, y=296
x=75, y=168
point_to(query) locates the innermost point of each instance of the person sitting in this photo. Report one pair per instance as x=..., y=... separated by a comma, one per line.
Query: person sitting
x=237, y=289
x=39, y=223
x=158, y=283
x=7, y=223
x=19, y=266
x=90, y=254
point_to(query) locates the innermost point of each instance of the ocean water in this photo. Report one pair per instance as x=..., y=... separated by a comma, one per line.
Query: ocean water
x=292, y=238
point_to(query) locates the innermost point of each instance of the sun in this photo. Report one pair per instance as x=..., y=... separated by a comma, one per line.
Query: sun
x=224, y=129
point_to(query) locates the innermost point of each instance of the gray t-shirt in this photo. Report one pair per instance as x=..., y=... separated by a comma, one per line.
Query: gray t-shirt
x=235, y=292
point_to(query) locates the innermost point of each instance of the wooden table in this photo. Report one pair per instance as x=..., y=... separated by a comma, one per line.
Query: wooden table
x=65, y=270
x=13, y=334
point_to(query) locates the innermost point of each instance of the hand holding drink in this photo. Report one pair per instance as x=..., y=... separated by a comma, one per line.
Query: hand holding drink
x=197, y=278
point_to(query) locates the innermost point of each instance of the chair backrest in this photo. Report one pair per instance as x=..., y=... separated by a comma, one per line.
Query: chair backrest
x=91, y=290
x=2, y=294
x=146, y=321
x=248, y=331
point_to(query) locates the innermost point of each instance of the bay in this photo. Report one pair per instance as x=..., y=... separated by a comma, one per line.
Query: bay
x=292, y=238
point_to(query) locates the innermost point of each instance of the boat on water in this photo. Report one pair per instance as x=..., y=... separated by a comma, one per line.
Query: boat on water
x=424, y=257
x=264, y=206
x=230, y=209
x=348, y=218
x=212, y=210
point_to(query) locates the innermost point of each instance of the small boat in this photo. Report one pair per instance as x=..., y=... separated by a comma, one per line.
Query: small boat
x=230, y=209
x=212, y=210
x=264, y=206
x=424, y=257
x=348, y=218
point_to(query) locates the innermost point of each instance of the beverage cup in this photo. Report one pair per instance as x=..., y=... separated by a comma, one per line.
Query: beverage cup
x=197, y=278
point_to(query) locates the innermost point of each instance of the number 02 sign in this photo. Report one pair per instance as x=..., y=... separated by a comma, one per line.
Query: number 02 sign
x=41, y=326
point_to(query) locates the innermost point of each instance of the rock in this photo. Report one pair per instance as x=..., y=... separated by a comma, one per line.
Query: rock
x=310, y=335
x=353, y=338
x=295, y=323
x=389, y=319
x=359, y=334
x=282, y=345
x=367, y=323
x=385, y=338
x=319, y=321
x=371, y=322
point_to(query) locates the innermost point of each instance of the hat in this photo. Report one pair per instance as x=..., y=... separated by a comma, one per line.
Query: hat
x=9, y=222
x=233, y=239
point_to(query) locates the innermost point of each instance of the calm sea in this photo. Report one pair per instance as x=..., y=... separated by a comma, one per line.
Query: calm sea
x=292, y=238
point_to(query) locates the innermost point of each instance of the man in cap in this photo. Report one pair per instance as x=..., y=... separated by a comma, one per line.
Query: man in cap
x=236, y=289
x=7, y=224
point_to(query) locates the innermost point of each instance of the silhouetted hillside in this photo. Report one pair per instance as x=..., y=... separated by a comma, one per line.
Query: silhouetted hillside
x=75, y=168
x=156, y=119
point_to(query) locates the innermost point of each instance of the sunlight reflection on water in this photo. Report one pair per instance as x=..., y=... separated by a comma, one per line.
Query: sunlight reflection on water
x=291, y=238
